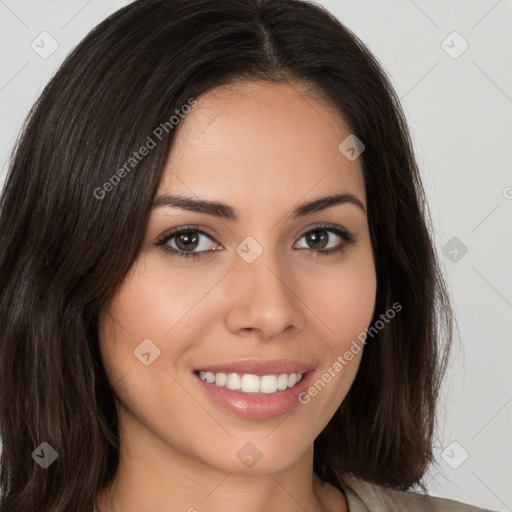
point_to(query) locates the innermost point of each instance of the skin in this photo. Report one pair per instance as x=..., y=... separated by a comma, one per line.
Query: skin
x=261, y=148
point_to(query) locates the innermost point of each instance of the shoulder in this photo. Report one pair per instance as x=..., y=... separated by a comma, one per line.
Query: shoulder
x=364, y=496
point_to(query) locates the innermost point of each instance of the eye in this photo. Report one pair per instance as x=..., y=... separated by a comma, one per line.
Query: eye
x=182, y=242
x=185, y=240
x=319, y=238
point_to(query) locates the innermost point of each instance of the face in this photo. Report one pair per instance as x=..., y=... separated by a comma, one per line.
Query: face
x=267, y=295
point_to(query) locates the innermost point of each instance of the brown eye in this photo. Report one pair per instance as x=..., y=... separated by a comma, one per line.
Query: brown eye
x=187, y=242
x=318, y=239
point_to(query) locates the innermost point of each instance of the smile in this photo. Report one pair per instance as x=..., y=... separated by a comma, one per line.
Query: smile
x=254, y=397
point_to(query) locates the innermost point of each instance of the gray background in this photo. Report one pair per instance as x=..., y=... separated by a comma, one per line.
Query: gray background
x=459, y=107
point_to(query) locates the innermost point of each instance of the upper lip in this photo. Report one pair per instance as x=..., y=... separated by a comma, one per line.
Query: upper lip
x=258, y=367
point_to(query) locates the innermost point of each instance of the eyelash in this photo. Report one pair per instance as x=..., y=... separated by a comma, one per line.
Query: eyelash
x=345, y=235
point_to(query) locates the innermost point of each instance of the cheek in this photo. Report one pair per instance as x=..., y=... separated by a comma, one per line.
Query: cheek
x=153, y=313
x=153, y=300
x=345, y=299
x=132, y=334
x=154, y=304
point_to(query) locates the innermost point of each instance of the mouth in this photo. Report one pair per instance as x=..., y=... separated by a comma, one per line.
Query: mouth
x=255, y=389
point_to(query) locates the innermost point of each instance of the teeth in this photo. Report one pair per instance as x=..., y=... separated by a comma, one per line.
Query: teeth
x=233, y=381
x=248, y=383
x=292, y=379
x=268, y=384
x=282, y=381
x=221, y=379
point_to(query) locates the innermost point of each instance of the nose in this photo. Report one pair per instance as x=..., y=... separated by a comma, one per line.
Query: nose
x=264, y=298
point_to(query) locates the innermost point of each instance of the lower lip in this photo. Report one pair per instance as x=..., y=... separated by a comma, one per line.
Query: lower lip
x=256, y=406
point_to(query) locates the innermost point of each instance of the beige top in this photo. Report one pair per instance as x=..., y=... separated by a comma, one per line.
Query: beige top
x=363, y=496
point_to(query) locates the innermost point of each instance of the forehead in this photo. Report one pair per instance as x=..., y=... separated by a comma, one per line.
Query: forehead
x=259, y=142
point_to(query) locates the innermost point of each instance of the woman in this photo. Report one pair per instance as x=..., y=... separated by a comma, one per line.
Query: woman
x=219, y=287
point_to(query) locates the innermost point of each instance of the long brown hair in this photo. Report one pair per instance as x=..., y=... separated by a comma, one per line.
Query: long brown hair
x=64, y=251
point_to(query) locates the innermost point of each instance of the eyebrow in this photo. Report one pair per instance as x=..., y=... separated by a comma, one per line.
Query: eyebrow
x=225, y=211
